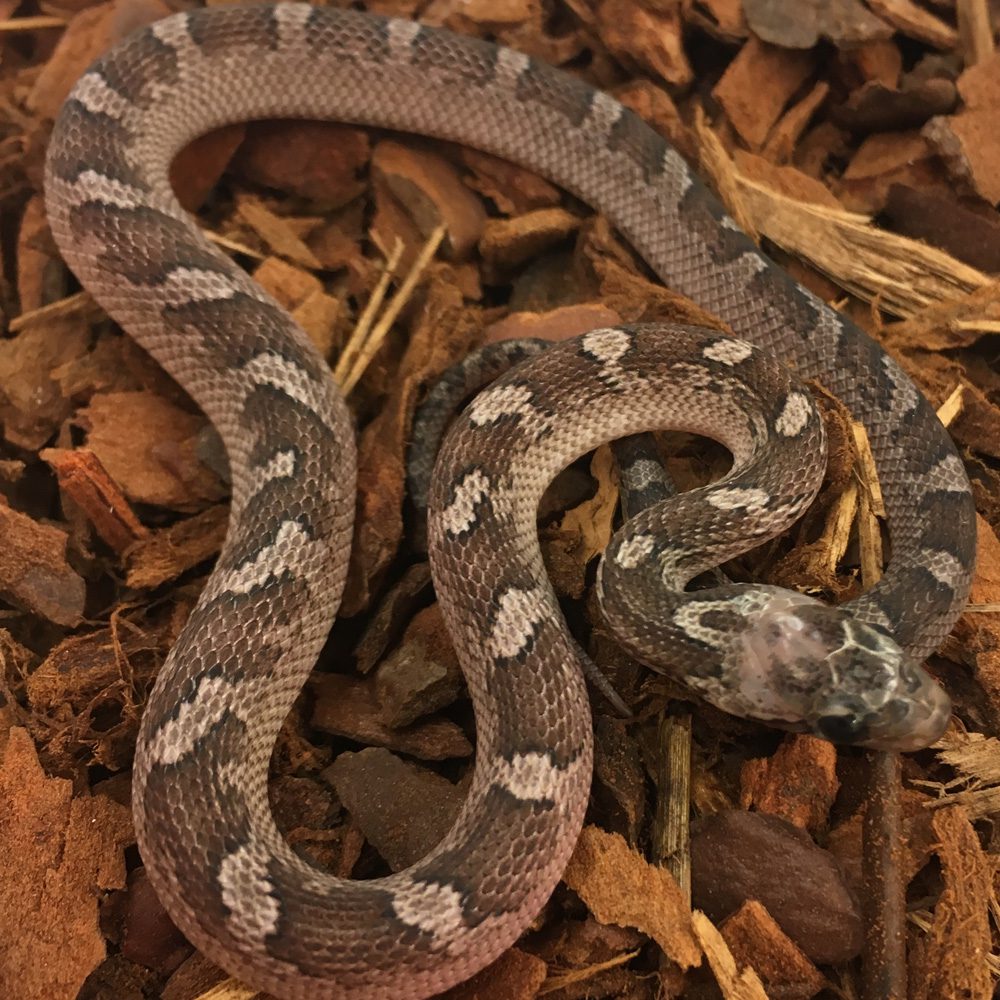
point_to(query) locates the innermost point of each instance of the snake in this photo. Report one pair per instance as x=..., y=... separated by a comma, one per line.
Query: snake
x=852, y=673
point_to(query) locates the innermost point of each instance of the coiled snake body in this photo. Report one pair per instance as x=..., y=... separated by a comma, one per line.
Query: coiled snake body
x=200, y=797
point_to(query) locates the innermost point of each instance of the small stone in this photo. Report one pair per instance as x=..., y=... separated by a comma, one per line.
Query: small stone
x=149, y=936
x=422, y=674
x=402, y=809
x=391, y=617
x=347, y=707
x=736, y=856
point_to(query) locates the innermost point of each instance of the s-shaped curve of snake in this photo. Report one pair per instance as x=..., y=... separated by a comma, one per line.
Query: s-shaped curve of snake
x=204, y=826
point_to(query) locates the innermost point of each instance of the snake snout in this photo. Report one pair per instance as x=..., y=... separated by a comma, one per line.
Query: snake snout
x=913, y=718
x=846, y=681
x=875, y=696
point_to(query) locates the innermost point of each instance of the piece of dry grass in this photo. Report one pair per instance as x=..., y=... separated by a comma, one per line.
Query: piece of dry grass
x=901, y=275
x=369, y=335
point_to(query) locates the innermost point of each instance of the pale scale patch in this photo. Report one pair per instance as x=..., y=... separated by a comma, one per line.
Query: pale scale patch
x=943, y=566
x=608, y=346
x=291, y=20
x=515, y=622
x=291, y=549
x=728, y=351
x=904, y=392
x=93, y=186
x=260, y=702
x=94, y=93
x=794, y=414
x=748, y=498
x=460, y=515
x=742, y=270
x=642, y=472
x=604, y=113
x=829, y=322
x=401, y=35
x=676, y=170
x=948, y=474
x=633, y=551
x=530, y=777
x=876, y=616
x=696, y=376
x=432, y=908
x=184, y=285
x=196, y=715
x=502, y=401
x=248, y=891
x=688, y=618
x=230, y=774
x=509, y=68
x=272, y=369
x=280, y=465
x=173, y=32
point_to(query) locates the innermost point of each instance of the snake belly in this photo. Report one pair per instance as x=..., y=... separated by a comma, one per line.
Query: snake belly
x=203, y=822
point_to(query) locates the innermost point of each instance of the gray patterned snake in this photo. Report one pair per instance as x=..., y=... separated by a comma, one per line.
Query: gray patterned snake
x=205, y=830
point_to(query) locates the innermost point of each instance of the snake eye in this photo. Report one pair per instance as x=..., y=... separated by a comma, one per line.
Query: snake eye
x=847, y=728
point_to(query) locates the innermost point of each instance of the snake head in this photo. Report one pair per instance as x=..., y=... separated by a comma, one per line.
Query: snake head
x=845, y=680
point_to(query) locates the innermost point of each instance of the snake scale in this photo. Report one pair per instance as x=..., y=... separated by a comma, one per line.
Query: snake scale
x=205, y=829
